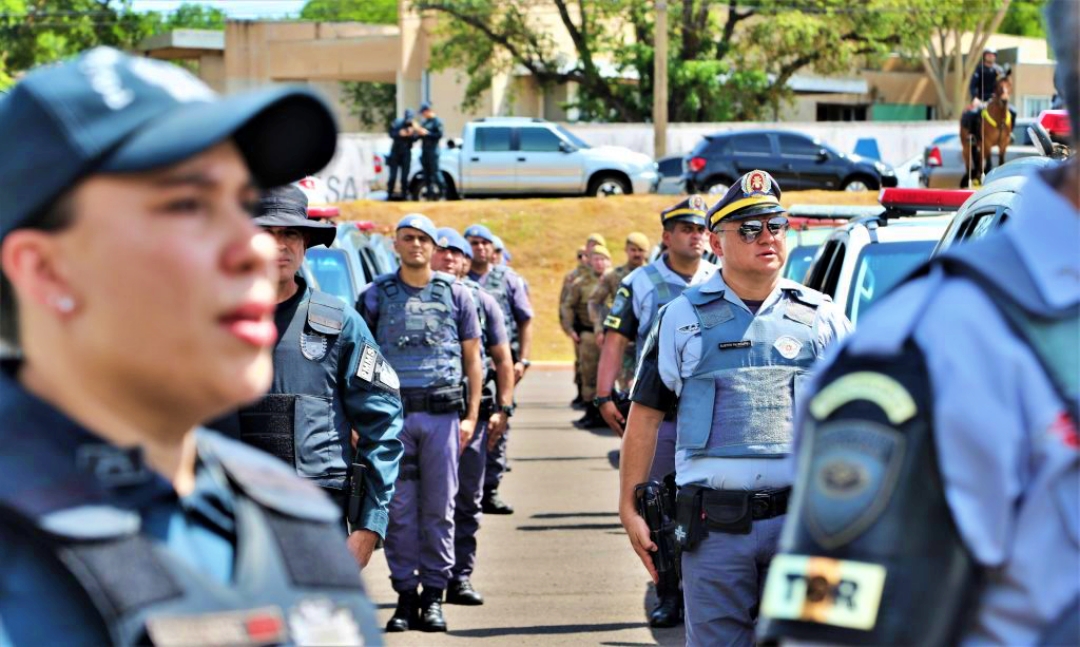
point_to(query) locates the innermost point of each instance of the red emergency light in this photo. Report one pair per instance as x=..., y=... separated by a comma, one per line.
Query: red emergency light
x=323, y=211
x=924, y=199
x=934, y=157
x=1055, y=122
x=365, y=225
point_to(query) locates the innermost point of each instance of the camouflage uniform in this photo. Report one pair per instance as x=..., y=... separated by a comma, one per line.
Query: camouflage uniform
x=574, y=316
x=600, y=305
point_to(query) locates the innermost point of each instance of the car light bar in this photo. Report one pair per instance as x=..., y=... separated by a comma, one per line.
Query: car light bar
x=1056, y=122
x=323, y=211
x=896, y=199
x=830, y=212
x=365, y=225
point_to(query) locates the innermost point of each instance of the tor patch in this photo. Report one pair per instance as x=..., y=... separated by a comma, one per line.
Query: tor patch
x=854, y=466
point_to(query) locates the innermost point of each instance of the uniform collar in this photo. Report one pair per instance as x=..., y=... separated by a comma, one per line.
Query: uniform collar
x=716, y=285
x=1046, y=234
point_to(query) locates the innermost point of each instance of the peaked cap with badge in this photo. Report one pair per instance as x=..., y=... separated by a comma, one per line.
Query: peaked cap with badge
x=755, y=194
x=692, y=210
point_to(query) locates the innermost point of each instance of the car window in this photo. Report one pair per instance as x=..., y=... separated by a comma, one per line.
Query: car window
x=879, y=268
x=492, y=140
x=795, y=145
x=798, y=262
x=537, y=140
x=832, y=275
x=984, y=225
x=572, y=138
x=1020, y=134
x=331, y=269
x=670, y=166
x=752, y=145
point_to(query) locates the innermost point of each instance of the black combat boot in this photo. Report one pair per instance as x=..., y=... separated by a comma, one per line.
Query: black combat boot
x=462, y=592
x=431, y=616
x=492, y=504
x=669, y=610
x=407, y=614
x=591, y=420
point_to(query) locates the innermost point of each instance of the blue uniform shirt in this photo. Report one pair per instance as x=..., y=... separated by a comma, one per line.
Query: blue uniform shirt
x=1007, y=450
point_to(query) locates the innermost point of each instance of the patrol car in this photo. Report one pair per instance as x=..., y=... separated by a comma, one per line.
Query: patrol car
x=811, y=225
x=863, y=259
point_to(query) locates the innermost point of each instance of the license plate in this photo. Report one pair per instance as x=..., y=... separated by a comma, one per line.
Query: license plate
x=835, y=592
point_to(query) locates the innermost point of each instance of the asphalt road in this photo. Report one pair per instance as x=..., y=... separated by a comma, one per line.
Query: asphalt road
x=559, y=571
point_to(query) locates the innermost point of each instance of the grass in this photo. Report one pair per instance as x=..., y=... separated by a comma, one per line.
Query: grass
x=543, y=234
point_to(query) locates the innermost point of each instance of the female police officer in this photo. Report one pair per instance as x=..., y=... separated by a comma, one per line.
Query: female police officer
x=142, y=298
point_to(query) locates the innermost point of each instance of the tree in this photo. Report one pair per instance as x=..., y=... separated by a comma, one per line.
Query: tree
x=189, y=16
x=728, y=59
x=942, y=50
x=1024, y=18
x=374, y=104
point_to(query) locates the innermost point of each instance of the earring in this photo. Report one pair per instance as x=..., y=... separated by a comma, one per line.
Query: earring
x=64, y=304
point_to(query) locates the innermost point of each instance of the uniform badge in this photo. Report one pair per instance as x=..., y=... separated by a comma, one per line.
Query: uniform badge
x=366, y=370
x=314, y=345
x=689, y=329
x=264, y=626
x=444, y=242
x=877, y=388
x=788, y=347
x=756, y=183
x=416, y=223
x=319, y=622
x=698, y=203
x=387, y=376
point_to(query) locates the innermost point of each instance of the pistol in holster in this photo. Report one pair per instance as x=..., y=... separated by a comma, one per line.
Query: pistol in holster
x=654, y=504
x=356, y=489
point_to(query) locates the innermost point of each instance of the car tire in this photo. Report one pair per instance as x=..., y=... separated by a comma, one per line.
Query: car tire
x=416, y=188
x=860, y=183
x=716, y=186
x=606, y=185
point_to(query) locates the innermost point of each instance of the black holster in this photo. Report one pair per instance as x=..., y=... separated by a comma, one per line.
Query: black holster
x=355, y=491
x=654, y=505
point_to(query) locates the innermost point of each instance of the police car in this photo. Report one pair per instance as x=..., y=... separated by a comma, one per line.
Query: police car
x=862, y=260
x=810, y=226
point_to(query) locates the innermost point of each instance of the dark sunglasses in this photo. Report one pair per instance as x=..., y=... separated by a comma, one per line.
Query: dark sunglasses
x=750, y=230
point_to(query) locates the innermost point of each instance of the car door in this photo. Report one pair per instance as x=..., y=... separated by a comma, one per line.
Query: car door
x=491, y=165
x=804, y=166
x=755, y=152
x=545, y=163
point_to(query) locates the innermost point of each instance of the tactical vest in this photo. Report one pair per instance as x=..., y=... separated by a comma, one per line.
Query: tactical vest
x=664, y=292
x=302, y=420
x=496, y=285
x=853, y=567
x=293, y=582
x=740, y=400
x=475, y=289
x=418, y=333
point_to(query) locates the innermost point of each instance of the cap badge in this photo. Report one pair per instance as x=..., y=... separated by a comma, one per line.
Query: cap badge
x=416, y=223
x=698, y=203
x=444, y=242
x=757, y=183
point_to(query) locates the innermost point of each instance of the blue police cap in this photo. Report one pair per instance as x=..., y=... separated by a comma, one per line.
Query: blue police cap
x=480, y=231
x=409, y=114
x=421, y=222
x=755, y=194
x=498, y=244
x=426, y=105
x=286, y=206
x=691, y=210
x=448, y=238
x=108, y=112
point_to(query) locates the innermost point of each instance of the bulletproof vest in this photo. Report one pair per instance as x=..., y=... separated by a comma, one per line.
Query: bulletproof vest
x=496, y=285
x=665, y=293
x=475, y=289
x=740, y=400
x=293, y=582
x=302, y=420
x=418, y=334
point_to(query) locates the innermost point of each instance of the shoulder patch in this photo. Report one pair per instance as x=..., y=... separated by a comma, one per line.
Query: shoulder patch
x=877, y=388
x=368, y=357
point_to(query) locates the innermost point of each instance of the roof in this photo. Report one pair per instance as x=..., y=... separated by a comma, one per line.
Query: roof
x=184, y=40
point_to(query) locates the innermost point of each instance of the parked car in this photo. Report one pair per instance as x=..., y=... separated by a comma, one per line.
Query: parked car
x=502, y=156
x=861, y=261
x=671, y=176
x=943, y=160
x=335, y=272
x=372, y=250
x=796, y=161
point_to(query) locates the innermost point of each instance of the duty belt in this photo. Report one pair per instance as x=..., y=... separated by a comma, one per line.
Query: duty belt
x=699, y=510
x=449, y=399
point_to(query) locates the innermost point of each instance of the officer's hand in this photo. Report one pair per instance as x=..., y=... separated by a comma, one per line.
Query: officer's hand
x=519, y=371
x=638, y=532
x=613, y=417
x=465, y=431
x=600, y=339
x=361, y=544
x=355, y=438
x=496, y=425
x=494, y=435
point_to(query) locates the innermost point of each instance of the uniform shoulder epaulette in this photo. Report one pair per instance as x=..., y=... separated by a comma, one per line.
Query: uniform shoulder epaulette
x=326, y=313
x=448, y=279
x=266, y=479
x=803, y=294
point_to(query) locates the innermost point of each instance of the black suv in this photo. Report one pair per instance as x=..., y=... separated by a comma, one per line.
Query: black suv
x=796, y=161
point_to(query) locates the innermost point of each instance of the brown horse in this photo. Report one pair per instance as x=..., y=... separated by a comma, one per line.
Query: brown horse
x=992, y=125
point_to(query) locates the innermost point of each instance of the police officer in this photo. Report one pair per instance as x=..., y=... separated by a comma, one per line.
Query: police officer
x=579, y=327
x=122, y=522
x=502, y=255
x=427, y=326
x=637, y=250
x=329, y=374
x=431, y=132
x=938, y=493
x=511, y=291
x=639, y=297
x=496, y=407
x=732, y=354
x=403, y=134
x=984, y=78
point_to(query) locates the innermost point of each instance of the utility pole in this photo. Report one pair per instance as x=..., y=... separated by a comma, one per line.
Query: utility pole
x=660, y=90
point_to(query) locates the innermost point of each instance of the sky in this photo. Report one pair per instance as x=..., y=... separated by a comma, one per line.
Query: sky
x=239, y=9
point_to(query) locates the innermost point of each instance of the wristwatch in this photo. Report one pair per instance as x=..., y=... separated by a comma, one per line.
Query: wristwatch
x=508, y=409
x=526, y=363
x=601, y=400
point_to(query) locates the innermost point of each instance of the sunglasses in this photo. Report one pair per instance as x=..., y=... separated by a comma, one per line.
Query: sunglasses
x=750, y=230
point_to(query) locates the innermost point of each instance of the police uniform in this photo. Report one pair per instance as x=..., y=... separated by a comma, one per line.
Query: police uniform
x=734, y=372
x=400, y=157
x=577, y=319
x=641, y=295
x=329, y=379
x=939, y=474
x=511, y=293
x=421, y=331
x=429, y=152
x=95, y=546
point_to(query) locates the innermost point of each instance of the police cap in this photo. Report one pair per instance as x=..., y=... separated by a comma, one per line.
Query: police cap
x=755, y=194
x=691, y=210
x=448, y=238
x=286, y=206
x=480, y=231
x=420, y=222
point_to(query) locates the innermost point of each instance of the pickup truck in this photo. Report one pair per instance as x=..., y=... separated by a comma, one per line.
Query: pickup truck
x=502, y=156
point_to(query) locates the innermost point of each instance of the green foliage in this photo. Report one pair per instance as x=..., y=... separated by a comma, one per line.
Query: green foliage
x=1024, y=18
x=189, y=16
x=373, y=103
x=378, y=12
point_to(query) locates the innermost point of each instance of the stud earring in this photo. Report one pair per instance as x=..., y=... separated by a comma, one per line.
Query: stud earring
x=64, y=304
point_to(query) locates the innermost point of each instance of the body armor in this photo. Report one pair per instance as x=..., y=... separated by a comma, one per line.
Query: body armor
x=418, y=332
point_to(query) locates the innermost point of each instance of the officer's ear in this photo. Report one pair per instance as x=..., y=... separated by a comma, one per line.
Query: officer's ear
x=714, y=243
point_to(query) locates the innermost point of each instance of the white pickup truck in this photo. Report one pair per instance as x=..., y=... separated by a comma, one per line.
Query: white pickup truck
x=502, y=156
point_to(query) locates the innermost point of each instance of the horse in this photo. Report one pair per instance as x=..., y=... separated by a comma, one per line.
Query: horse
x=992, y=125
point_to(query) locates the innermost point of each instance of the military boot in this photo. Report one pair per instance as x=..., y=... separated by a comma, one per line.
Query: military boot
x=669, y=610
x=462, y=592
x=431, y=615
x=591, y=420
x=407, y=614
x=492, y=504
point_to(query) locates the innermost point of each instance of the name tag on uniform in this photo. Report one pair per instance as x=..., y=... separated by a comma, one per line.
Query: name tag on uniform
x=732, y=345
x=836, y=592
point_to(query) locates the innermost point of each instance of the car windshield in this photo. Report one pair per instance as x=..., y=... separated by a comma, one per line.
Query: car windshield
x=798, y=262
x=331, y=269
x=879, y=268
x=571, y=137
